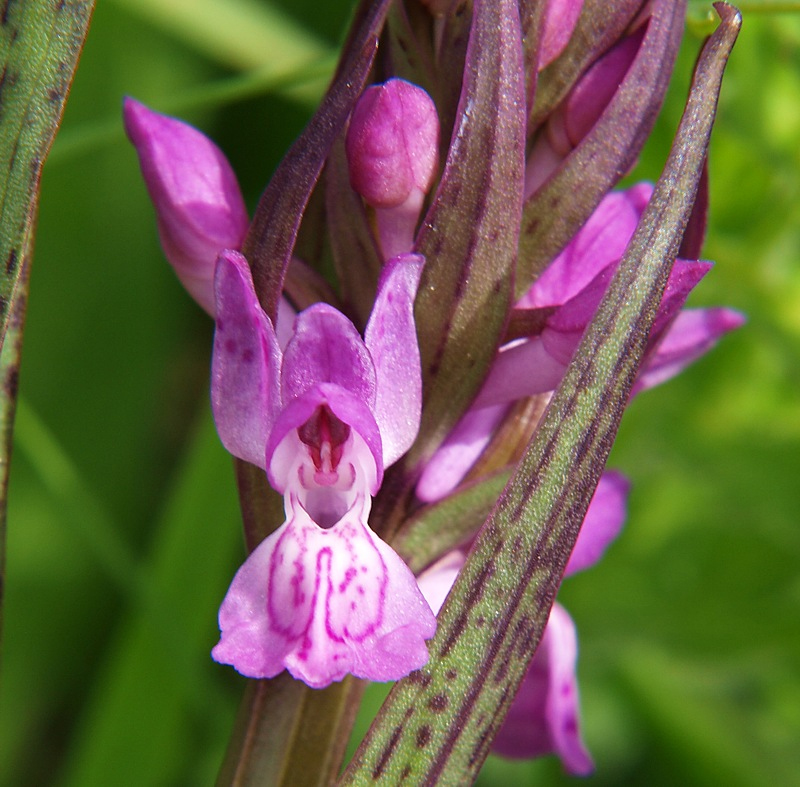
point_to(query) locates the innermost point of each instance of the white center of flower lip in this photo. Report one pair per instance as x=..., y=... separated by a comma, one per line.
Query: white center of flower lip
x=326, y=482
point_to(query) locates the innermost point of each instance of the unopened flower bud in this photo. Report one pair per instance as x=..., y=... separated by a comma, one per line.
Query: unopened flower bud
x=392, y=153
x=198, y=202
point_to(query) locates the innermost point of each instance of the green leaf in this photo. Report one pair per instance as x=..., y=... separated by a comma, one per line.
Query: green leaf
x=39, y=47
x=470, y=234
x=438, y=723
x=9, y=379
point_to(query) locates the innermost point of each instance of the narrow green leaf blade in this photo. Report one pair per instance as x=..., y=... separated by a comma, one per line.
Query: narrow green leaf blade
x=39, y=46
x=40, y=43
x=9, y=376
x=437, y=725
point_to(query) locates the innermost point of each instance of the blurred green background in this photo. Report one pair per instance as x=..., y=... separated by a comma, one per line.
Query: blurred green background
x=123, y=523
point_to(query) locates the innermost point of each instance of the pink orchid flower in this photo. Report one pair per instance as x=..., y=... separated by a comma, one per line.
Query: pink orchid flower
x=322, y=596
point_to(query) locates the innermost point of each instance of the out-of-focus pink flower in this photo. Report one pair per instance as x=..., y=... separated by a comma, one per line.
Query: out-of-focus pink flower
x=199, y=206
x=392, y=149
x=544, y=717
x=322, y=596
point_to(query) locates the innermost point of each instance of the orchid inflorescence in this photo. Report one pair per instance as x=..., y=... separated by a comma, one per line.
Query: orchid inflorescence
x=468, y=275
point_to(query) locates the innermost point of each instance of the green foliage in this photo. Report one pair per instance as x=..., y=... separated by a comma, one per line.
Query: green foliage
x=689, y=643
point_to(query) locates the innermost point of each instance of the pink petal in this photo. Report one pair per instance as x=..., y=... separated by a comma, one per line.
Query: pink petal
x=560, y=18
x=566, y=327
x=326, y=348
x=524, y=369
x=543, y=718
x=391, y=338
x=604, y=520
x=693, y=333
x=436, y=581
x=199, y=205
x=601, y=241
x=323, y=603
x=245, y=363
x=683, y=278
x=597, y=87
x=458, y=453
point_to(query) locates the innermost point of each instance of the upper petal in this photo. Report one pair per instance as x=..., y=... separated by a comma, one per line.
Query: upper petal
x=326, y=348
x=391, y=338
x=347, y=408
x=245, y=364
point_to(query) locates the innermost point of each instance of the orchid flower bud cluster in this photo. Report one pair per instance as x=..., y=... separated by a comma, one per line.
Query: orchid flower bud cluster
x=475, y=269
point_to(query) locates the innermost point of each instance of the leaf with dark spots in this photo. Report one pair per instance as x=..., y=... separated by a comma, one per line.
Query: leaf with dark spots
x=554, y=213
x=40, y=49
x=271, y=238
x=546, y=499
x=470, y=234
